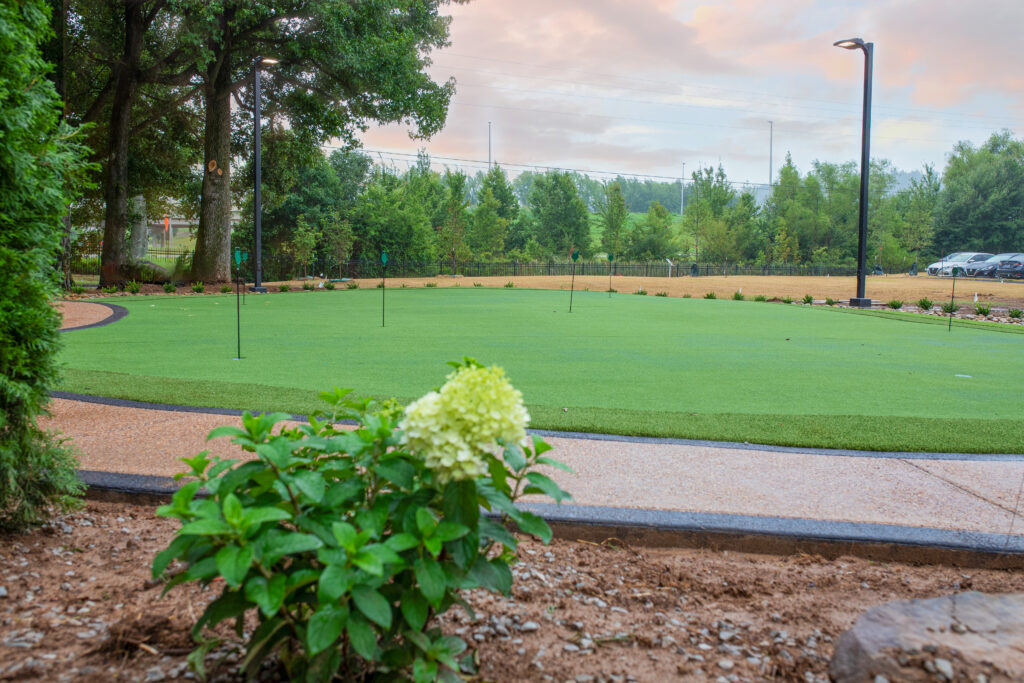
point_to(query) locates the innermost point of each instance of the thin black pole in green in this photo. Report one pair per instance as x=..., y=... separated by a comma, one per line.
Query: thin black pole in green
x=383, y=284
x=572, y=285
x=955, y=271
x=610, y=257
x=238, y=299
x=245, y=257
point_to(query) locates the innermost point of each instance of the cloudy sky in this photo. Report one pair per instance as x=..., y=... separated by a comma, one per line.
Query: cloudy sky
x=643, y=86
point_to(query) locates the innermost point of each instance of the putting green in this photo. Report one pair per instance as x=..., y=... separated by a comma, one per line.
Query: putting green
x=696, y=368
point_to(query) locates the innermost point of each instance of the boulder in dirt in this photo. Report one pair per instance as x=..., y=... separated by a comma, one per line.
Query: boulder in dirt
x=965, y=635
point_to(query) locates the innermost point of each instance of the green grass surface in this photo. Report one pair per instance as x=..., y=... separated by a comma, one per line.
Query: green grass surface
x=722, y=369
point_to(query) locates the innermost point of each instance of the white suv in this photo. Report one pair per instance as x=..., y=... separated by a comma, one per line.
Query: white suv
x=960, y=259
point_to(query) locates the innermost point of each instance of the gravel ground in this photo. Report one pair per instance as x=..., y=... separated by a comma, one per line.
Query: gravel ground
x=76, y=603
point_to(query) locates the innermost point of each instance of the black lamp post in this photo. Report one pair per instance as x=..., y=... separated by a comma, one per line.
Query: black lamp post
x=257, y=199
x=860, y=301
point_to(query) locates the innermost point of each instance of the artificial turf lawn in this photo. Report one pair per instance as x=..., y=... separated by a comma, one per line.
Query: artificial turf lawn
x=695, y=368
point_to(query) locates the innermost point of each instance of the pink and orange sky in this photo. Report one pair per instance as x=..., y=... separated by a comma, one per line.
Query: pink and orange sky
x=644, y=86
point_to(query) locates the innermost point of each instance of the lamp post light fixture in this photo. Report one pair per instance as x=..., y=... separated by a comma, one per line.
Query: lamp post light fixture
x=860, y=301
x=257, y=164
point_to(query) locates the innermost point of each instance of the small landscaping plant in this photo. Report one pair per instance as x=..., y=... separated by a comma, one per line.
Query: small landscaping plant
x=109, y=289
x=950, y=308
x=925, y=304
x=329, y=286
x=685, y=296
x=307, y=286
x=477, y=284
x=738, y=296
x=982, y=309
x=198, y=287
x=1015, y=313
x=808, y=299
x=77, y=289
x=510, y=285
x=224, y=289
x=760, y=297
x=169, y=288
x=640, y=292
x=133, y=287
x=710, y=295
x=612, y=290
x=430, y=284
x=786, y=299
x=352, y=285
x=380, y=285
x=829, y=301
x=284, y=288
x=896, y=304
x=346, y=545
x=661, y=294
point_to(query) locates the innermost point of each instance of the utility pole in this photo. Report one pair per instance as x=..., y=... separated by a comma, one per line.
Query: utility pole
x=771, y=145
x=682, y=191
x=488, y=145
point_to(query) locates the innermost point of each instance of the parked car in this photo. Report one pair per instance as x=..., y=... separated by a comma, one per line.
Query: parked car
x=958, y=259
x=988, y=267
x=1013, y=267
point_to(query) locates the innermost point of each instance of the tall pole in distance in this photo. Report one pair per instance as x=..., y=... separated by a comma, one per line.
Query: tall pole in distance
x=682, y=191
x=860, y=301
x=771, y=149
x=488, y=145
x=258, y=167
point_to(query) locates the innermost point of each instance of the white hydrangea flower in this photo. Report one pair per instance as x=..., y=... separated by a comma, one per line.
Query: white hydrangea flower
x=452, y=429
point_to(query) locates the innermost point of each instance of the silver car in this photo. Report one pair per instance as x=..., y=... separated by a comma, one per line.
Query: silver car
x=959, y=259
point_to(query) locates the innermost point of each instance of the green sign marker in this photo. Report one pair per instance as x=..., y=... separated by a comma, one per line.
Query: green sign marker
x=238, y=256
x=611, y=256
x=384, y=257
x=575, y=255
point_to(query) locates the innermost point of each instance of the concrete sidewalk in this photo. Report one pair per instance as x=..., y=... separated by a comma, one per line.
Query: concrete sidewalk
x=969, y=502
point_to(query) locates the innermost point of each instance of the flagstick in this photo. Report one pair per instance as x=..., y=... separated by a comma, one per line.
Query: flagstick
x=572, y=286
x=950, y=328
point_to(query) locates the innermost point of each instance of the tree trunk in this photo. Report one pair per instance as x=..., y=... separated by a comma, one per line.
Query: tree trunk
x=211, y=261
x=113, y=256
x=139, y=240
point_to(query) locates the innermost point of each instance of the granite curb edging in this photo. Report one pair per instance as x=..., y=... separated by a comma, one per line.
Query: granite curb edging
x=718, y=531
x=116, y=313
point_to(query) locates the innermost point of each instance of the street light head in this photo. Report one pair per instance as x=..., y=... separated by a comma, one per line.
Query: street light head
x=850, y=44
x=267, y=60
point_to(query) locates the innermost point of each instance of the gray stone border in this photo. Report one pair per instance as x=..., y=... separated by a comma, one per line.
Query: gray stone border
x=669, y=528
x=116, y=313
x=648, y=440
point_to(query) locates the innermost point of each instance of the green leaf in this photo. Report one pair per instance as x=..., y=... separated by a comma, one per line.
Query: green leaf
x=276, y=543
x=226, y=430
x=414, y=608
x=402, y=541
x=397, y=471
x=531, y=524
x=206, y=527
x=460, y=502
x=177, y=548
x=425, y=522
x=418, y=639
x=233, y=563
x=424, y=671
x=198, y=463
x=497, y=532
x=180, y=500
x=341, y=492
x=369, y=563
x=543, y=484
x=229, y=604
x=384, y=553
x=493, y=576
x=335, y=581
x=373, y=605
x=449, y=531
x=431, y=579
x=551, y=462
x=324, y=627
x=362, y=637
x=268, y=595
x=311, y=484
x=255, y=516
x=433, y=544
x=515, y=458
x=345, y=534
x=220, y=467
x=540, y=445
x=232, y=509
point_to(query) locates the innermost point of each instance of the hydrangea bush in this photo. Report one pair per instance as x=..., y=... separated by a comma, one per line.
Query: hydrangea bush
x=347, y=544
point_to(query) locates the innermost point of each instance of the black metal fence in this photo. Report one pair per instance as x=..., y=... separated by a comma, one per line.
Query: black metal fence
x=280, y=266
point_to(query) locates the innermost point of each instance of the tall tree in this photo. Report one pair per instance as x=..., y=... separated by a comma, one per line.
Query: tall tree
x=612, y=214
x=652, y=238
x=488, y=229
x=451, y=235
x=562, y=218
x=981, y=206
x=503, y=192
x=341, y=65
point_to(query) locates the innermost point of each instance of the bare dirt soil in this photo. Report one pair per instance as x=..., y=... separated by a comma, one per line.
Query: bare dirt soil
x=77, y=602
x=1001, y=295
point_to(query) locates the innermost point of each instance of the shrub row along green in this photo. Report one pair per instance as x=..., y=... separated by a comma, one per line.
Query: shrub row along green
x=348, y=544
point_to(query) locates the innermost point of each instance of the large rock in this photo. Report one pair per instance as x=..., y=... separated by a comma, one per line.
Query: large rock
x=973, y=636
